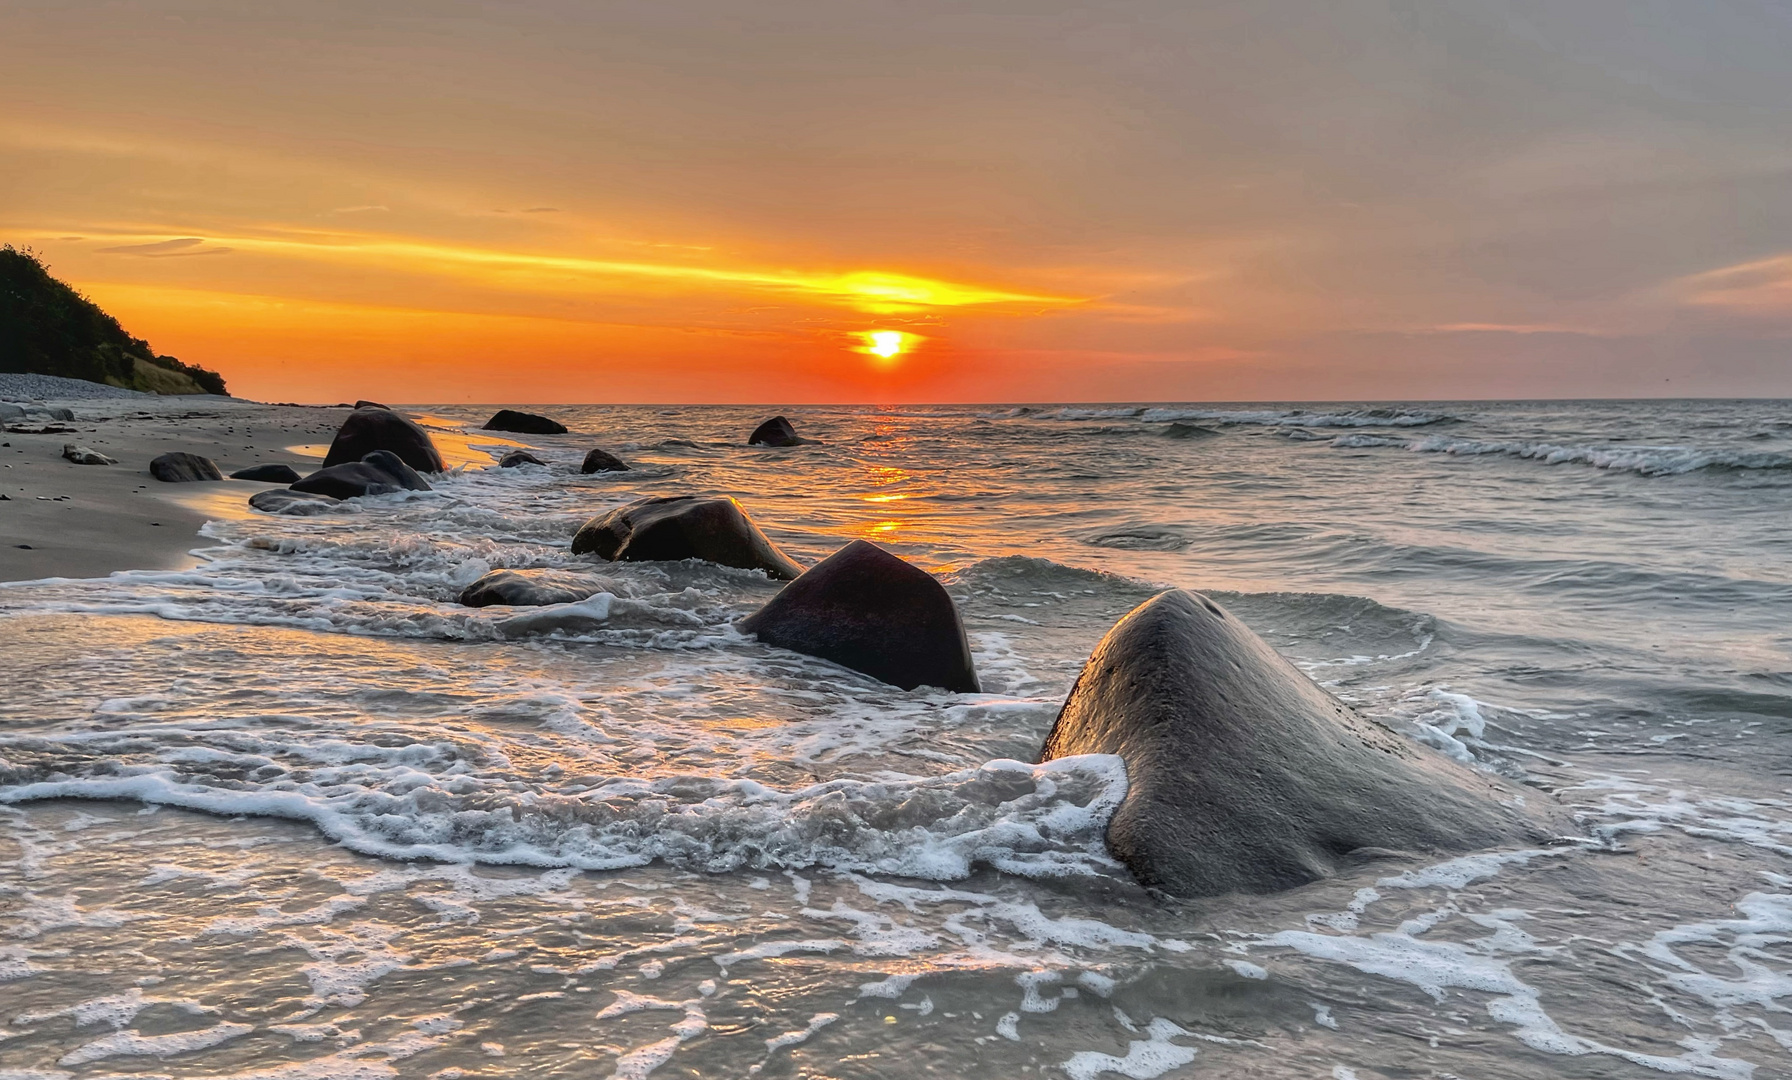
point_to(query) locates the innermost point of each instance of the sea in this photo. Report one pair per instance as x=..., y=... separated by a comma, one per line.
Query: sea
x=295, y=814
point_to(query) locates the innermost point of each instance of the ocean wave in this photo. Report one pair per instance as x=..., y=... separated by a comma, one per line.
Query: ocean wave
x=428, y=801
x=1354, y=418
x=1138, y=538
x=1646, y=460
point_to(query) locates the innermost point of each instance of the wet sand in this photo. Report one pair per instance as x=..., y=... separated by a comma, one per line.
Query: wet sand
x=60, y=519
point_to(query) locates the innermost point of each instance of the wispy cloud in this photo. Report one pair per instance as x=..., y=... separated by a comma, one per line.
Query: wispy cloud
x=1506, y=328
x=872, y=291
x=1761, y=287
x=186, y=245
x=361, y=210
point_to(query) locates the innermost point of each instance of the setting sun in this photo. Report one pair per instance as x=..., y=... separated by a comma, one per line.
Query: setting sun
x=886, y=345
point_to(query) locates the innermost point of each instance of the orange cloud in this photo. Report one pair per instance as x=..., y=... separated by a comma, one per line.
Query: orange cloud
x=1762, y=287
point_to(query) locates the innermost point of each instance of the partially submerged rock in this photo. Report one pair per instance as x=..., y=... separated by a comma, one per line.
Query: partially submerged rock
x=80, y=455
x=524, y=423
x=1244, y=776
x=180, y=467
x=530, y=588
x=268, y=474
x=868, y=610
x=775, y=432
x=683, y=527
x=292, y=503
x=379, y=473
x=601, y=461
x=518, y=457
x=377, y=428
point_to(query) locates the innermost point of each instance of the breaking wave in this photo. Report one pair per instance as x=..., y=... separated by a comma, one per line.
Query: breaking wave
x=1645, y=460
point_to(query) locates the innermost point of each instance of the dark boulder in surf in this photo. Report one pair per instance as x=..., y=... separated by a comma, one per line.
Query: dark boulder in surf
x=1244, y=776
x=379, y=473
x=518, y=457
x=180, y=467
x=529, y=588
x=524, y=423
x=268, y=474
x=776, y=432
x=868, y=610
x=684, y=527
x=289, y=502
x=378, y=428
x=602, y=461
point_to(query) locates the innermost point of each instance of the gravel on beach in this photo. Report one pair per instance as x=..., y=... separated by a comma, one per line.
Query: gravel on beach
x=23, y=388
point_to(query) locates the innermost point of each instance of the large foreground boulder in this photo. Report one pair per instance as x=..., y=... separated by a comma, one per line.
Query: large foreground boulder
x=379, y=473
x=377, y=428
x=268, y=474
x=683, y=527
x=524, y=423
x=602, y=461
x=1244, y=776
x=180, y=467
x=866, y=609
x=776, y=432
x=289, y=502
x=530, y=588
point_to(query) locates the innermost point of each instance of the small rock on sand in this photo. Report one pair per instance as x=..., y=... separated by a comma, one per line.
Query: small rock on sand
x=268, y=474
x=80, y=455
x=180, y=467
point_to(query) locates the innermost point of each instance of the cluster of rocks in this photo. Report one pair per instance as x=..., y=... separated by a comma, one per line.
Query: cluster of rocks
x=1242, y=774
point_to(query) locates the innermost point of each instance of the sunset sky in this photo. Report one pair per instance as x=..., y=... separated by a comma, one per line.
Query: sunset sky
x=585, y=201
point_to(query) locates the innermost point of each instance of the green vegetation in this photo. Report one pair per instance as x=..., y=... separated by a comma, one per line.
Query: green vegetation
x=47, y=328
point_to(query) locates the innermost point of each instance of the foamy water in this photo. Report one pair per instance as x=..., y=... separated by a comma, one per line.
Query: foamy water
x=296, y=813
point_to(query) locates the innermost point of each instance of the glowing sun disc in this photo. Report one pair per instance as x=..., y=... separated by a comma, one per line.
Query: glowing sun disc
x=885, y=343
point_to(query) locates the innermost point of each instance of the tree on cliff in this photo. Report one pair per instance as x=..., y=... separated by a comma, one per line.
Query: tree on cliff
x=47, y=328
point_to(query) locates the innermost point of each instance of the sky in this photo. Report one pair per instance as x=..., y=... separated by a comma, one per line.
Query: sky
x=1136, y=200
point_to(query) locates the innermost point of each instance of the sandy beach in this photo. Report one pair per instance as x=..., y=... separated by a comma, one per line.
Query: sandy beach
x=60, y=519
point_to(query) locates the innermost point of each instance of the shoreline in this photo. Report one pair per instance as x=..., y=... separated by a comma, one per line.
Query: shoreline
x=62, y=520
